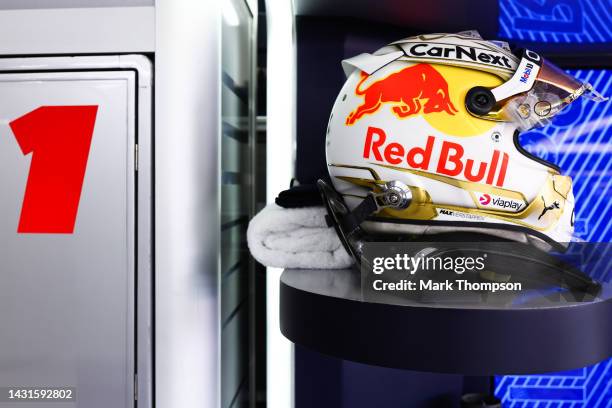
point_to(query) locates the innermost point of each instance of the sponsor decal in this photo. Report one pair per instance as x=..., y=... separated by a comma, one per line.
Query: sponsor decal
x=485, y=199
x=500, y=203
x=526, y=73
x=451, y=162
x=554, y=206
x=412, y=90
x=458, y=53
x=457, y=214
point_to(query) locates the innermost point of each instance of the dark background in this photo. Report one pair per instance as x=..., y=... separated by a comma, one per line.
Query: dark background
x=327, y=32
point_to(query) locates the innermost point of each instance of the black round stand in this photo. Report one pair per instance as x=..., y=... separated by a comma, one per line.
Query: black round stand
x=323, y=310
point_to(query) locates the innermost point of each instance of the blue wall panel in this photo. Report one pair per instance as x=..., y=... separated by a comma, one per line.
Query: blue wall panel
x=556, y=21
x=588, y=387
x=579, y=141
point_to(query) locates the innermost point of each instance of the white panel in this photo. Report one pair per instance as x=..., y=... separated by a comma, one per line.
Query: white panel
x=50, y=4
x=143, y=67
x=77, y=30
x=67, y=299
x=281, y=164
x=187, y=123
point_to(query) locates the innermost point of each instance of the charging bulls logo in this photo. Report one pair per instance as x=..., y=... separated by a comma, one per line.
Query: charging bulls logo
x=406, y=90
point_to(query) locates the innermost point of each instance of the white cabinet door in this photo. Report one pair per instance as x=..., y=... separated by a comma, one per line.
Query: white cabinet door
x=67, y=234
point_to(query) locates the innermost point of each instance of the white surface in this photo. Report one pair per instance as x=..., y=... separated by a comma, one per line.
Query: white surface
x=280, y=361
x=77, y=30
x=296, y=238
x=280, y=169
x=67, y=300
x=144, y=71
x=32, y=4
x=187, y=98
x=230, y=15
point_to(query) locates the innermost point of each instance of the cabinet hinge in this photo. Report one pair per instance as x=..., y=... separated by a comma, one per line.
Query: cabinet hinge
x=136, y=157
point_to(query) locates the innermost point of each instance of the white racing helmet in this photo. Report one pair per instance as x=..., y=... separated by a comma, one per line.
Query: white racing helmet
x=423, y=140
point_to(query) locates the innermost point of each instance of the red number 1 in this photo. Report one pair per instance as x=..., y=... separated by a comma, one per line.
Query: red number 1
x=59, y=138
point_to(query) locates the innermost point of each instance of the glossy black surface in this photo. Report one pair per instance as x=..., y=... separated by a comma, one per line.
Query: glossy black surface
x=322, y=310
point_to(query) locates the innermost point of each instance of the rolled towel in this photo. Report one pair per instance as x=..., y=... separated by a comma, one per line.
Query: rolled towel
x=295, y=238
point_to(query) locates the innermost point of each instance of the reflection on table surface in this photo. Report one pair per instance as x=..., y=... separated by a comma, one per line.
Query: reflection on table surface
x=347, y=284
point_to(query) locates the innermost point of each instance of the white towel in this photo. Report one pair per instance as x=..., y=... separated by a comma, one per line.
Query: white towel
x=296, y=238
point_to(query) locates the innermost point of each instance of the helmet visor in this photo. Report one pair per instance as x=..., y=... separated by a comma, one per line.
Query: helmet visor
x=551, y=92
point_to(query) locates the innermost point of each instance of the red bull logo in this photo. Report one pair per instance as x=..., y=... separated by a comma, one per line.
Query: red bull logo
x=453, y=160
x=412, y=90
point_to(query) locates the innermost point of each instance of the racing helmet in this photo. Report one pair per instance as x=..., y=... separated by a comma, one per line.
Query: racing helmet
x=423, y=139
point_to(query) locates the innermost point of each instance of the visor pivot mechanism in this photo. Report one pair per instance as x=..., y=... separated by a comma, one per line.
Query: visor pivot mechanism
x=479, y=100
x=395, y=194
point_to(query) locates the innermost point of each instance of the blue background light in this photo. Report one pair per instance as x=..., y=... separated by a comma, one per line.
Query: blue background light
x=579, y=142
x=556, y=21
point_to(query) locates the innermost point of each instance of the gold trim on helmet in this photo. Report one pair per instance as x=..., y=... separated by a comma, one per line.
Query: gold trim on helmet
x=555, y=190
